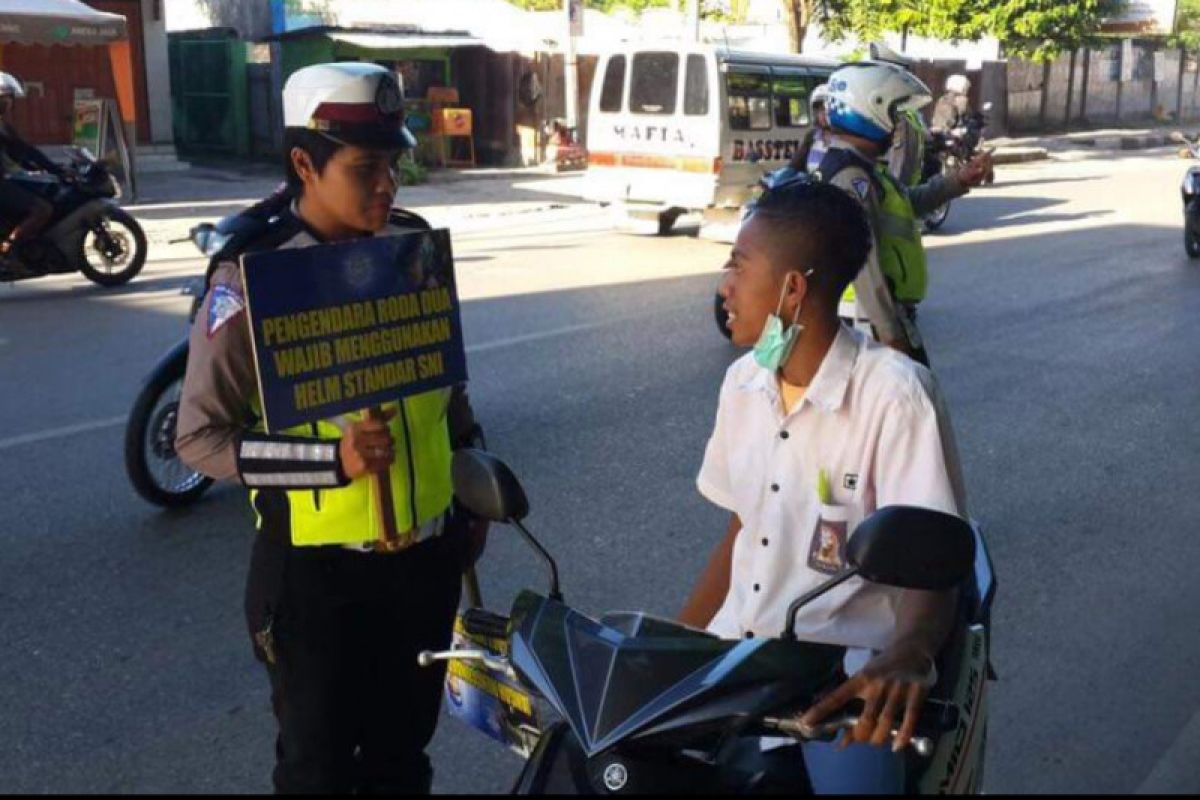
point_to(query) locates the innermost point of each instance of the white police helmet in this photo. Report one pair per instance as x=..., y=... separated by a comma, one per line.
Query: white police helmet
x=819, y=96
x=10, y=86
x=881, y=52
x=959, y=84
x=865, y=98
x=350, y=102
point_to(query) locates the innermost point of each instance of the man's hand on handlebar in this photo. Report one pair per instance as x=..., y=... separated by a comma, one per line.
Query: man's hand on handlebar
x=895, y=682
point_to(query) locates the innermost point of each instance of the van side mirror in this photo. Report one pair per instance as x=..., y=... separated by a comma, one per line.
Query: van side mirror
x=903, y=546
x=487, y=487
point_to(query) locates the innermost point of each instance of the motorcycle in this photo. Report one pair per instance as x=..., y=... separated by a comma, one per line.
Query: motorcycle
x=946, y=151
x=153, y=467
x=88, y=232
x=637, y=704
x=1190, y=193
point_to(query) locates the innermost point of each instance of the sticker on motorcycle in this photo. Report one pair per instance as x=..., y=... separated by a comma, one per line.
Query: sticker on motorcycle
x=226, y=303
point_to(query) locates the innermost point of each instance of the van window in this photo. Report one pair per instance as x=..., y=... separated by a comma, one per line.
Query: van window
x=695, y=86
x=654, y=84
x=749, y=100
x=614, y=84
x=791, y=100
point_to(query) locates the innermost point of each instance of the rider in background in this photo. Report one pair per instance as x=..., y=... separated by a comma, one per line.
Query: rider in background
x=819, y=135
x=953, y=106
x=16, y=155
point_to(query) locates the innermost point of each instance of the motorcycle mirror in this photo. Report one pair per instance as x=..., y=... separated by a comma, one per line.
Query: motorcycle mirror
x=1178, y=137
x=487, y=487
x=912, y=548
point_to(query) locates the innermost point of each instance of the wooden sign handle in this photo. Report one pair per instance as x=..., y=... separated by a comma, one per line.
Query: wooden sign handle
x=385, y=506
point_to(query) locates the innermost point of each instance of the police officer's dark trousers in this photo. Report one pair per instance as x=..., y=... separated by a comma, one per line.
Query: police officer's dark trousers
x=355, y=711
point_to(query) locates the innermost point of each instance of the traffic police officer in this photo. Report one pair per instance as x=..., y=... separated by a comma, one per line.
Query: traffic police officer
x=336, y=616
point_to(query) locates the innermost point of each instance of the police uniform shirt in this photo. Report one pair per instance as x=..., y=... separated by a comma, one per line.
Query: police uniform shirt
x=870, y=287
x=873, y=422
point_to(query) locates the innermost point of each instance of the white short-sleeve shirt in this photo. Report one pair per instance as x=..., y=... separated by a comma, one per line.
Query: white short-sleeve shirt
x=873, y=422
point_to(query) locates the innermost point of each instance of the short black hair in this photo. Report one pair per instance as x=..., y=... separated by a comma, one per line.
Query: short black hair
x=814, y=225
x=319, y=148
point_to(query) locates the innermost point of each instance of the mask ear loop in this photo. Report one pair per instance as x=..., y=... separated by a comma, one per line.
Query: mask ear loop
x=796, y=316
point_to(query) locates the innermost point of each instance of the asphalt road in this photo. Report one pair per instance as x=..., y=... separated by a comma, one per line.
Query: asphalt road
x=1061, y=321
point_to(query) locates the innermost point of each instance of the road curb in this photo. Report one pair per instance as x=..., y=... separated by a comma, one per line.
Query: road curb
x=1019, y=155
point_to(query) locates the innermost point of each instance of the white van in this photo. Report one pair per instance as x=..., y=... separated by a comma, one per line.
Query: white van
x=675, y=128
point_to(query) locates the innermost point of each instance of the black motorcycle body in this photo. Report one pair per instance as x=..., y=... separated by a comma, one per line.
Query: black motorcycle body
x=1190, y=194
x=87, y=232
x=638, y=704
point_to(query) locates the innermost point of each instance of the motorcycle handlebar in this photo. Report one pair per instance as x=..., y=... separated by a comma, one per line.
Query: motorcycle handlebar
x=792, y=726
x=427, y=658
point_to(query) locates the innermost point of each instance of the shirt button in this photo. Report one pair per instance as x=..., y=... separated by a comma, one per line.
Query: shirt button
x=783, y=434
x=765, y=541
x=774, y=487
x=757, y=587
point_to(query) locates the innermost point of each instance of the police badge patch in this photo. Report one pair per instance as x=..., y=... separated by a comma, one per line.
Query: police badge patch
x=225, y=304
x=861, y=186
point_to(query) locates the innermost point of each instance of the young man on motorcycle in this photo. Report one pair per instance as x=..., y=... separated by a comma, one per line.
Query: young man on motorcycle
x=866, y=100
x=17, y=203
x=336, y=618
x=815, y=429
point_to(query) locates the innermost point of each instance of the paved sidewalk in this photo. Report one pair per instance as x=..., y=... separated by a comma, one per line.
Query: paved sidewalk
x=1082, y=143
x=170, y=203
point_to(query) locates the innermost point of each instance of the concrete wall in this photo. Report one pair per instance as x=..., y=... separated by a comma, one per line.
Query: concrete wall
x=158, y=73
x=250, y=18
x=1148, y=93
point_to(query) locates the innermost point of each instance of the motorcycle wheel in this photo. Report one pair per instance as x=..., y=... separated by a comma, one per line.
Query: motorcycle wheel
x=1191, y=241
x=154, y=468
x=721, y=316
x=114, y=251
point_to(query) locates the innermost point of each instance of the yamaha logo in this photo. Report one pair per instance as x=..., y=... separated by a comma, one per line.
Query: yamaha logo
x=615, y=777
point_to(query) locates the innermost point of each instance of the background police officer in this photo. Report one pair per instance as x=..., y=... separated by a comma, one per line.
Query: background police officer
x=337, y=617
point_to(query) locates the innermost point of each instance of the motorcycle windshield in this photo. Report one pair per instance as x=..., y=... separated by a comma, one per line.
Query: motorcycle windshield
x=608, y=683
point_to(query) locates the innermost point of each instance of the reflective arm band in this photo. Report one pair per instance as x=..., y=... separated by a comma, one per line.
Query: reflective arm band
x=289, y=462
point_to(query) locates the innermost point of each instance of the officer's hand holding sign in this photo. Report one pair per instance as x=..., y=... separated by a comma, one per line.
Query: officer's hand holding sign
x=326, y=373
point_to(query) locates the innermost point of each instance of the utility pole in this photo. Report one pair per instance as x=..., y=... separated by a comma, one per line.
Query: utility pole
x=573, y=17
x=691, y=28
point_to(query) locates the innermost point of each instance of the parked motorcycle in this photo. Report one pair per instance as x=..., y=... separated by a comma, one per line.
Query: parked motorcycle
x=151, y=462
x=637, y=704
x=1190, y=193
x=946, y=151
x=87, y=233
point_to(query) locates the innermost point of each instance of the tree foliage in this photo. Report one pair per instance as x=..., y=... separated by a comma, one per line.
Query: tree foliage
x=1187, y=30
x=1034, y=29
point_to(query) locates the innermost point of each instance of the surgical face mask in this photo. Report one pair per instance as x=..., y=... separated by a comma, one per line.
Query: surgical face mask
x=775, y=344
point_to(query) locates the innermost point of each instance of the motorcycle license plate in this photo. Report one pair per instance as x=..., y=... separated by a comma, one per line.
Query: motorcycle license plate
x=488, y=700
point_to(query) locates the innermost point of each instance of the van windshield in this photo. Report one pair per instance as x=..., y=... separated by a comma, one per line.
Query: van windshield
x=654, y=83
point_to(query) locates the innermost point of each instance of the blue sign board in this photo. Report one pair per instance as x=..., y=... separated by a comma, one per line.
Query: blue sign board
x=346, y=326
